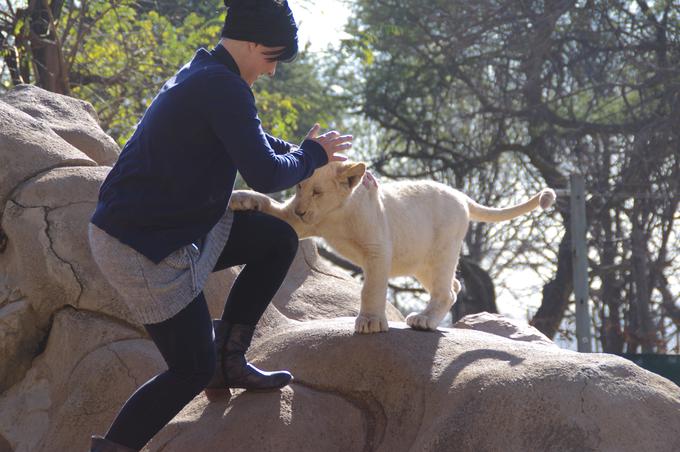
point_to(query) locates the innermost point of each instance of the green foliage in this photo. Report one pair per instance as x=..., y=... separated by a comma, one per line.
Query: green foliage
x=280, y=113
x=126, y=57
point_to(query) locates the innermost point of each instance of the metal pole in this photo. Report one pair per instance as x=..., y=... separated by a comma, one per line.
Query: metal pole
x=579, y=251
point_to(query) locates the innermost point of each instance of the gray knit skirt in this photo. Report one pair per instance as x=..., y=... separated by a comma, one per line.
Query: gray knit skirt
x=155, y=292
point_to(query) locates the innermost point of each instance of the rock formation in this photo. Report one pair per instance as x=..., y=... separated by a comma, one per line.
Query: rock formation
x=452, y=390
x=70, y=356
x=73, y=120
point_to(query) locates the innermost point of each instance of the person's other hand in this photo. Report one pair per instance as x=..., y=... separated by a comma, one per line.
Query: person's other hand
x=332, y=142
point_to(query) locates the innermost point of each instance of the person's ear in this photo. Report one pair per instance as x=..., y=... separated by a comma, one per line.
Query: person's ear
x=351, y=173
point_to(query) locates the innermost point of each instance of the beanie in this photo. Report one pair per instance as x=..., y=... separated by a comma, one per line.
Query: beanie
x=266, y=22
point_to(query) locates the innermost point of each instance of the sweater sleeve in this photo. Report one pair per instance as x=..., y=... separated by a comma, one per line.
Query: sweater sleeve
x=230, y=111
x=280, y=146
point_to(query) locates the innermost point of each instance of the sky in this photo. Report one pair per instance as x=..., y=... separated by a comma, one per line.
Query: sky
x=320, y=23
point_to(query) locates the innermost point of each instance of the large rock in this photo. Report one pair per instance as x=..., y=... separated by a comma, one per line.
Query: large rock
x=48, y=255
x=74, y=120
x=503, y=326
x=91, y=365
x=47, y=258
x=19, y=337
x=29, y=147
x=47, y=192
x=297, y=418
x=451, y=390
x=57, y=205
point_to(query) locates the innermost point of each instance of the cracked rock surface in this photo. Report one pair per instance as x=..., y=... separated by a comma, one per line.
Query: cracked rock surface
x=29, y=147
x=91, y=363
x=74, y=120
x=69, y=356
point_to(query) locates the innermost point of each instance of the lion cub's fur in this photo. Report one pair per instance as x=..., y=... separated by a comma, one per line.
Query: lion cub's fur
x=413, y=228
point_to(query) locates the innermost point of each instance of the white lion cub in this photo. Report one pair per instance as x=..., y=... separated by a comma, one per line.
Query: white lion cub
x=413, y=228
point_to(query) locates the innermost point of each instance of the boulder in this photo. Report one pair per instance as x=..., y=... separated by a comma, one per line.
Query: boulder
x=29, y=147
x=454, y=389
x=504, y=327
x=72, y=119
x=57, y=269
x=31, y=263
x=90, y=366
x=19, y=337
x=48, y=191
x=66, y=198
x=297, y=418
x=47, y=260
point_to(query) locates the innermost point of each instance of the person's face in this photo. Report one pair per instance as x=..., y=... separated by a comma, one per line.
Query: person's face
x=263, y=61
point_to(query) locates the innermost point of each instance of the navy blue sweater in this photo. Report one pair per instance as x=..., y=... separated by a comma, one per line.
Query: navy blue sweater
x=173, y=179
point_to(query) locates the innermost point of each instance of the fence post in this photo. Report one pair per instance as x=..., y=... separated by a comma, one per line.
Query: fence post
x=579, y=250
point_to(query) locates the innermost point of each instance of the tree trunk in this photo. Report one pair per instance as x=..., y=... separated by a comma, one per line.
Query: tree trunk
x=46, y=48
x=556, y=293
x=611, y=334
x=478, y=294
x=645, y=332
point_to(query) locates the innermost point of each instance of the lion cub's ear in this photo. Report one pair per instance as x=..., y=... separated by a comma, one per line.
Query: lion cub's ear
x=351, y=173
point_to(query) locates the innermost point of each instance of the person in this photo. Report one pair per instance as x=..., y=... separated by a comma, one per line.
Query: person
x=162, y=222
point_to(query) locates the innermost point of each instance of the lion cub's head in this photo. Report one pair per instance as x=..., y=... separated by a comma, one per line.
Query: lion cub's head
x=326, y=190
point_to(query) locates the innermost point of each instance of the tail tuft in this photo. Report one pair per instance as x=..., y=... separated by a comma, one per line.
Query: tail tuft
x=546, y=198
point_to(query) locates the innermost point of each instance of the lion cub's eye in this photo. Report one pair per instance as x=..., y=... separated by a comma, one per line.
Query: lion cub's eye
x=316, y=193
x=299, y=186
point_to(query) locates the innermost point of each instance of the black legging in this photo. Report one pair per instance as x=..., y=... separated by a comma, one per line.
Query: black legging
x=267, y=247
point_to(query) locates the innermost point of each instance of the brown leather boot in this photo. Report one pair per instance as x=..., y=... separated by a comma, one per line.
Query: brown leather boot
x=232, y=370
x=100, y=444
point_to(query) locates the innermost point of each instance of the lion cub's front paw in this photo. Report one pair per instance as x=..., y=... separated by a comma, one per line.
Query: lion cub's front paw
x=421, y=322
x=370, y=324
x=244, y=200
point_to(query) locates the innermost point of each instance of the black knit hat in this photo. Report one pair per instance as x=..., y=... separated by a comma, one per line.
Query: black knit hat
x=266, y=22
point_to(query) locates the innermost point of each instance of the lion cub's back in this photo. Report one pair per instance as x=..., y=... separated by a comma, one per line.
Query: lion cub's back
x=425, y=207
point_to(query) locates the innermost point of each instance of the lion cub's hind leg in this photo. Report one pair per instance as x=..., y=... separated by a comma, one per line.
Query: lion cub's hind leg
x=441, y=301
x=443, y=288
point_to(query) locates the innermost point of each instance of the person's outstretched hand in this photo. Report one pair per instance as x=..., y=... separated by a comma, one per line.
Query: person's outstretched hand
x=331, y=142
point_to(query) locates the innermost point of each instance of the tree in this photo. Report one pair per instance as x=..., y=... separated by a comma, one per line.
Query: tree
x=511, y=94
x=30, y=27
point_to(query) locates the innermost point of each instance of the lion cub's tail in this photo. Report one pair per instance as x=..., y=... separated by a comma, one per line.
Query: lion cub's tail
x=545, y=198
